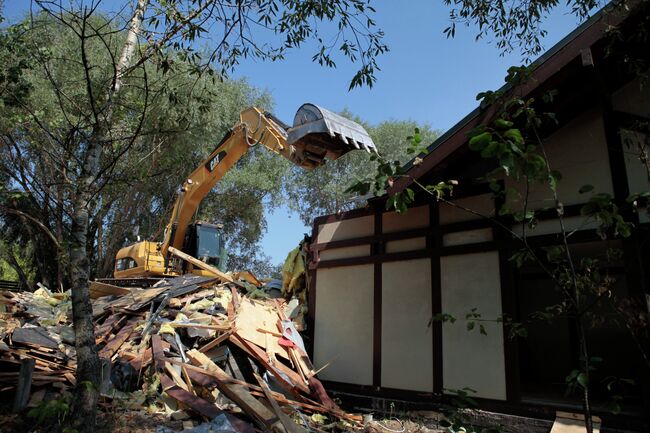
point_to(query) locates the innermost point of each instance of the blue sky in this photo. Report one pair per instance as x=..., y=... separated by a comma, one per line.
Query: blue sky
x=425, y=77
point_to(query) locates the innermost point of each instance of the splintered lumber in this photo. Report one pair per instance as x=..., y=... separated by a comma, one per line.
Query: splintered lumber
x=113, y=345
x=188, y=380
x=171, y=371
x=278, y=369
x=199, y=264
x=291, y=426
x=201, y=406
x=157, y=350
x=98, y=289
x=24, y=386
x=239, y=394
x=207, y=378
x=254, y=315
x=217, y=341
x=34, y=337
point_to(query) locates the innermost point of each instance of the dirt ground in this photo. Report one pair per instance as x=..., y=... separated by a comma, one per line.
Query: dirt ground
x=142, y=422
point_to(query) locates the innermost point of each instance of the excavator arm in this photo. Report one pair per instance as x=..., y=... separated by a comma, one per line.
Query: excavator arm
x=317, y=134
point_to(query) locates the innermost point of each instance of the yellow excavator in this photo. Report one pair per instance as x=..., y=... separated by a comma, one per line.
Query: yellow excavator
x=317, y=134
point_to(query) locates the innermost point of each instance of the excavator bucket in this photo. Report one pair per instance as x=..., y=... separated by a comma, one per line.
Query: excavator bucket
x=318, y=133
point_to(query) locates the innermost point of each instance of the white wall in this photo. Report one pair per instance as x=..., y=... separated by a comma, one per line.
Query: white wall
x=344, y=324
x=578, y=151
x=406, y=339
x=469, y=358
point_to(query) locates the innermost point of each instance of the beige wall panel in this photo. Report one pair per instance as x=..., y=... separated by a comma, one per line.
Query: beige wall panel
x=413, y=244
x=415, y=218
x=633, y=98
x=344, y=323
x=467, y=237
x=637, y=173
x=469, y=358
x=483, y=204
x=345, y=253
x=406, y=339
x=579, y=152
x=346, y=229
x=553, y=226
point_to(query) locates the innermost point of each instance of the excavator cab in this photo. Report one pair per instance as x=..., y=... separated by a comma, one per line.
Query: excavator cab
x=205, y=242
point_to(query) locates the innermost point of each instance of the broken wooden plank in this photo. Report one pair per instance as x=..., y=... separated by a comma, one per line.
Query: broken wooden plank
x=171, y=371
x=208, y=378
x=188, y=380
x=264, y=417
x=220, y=339
x=97, y=290
x=201, y=406
x=201, y=265
x=33, y=337
x=278, y=369
x=288, y=424
x=157, y=352
x=24, y=386
x=113, y=345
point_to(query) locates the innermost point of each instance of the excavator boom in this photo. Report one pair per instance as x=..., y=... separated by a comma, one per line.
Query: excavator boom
x=317, y=134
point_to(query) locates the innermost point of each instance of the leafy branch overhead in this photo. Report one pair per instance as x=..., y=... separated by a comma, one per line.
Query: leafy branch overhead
x=235, y=30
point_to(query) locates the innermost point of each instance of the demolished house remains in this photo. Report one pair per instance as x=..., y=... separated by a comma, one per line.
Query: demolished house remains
x=189, y=346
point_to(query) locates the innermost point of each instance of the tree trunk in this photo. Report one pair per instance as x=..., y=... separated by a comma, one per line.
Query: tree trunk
x=88, y=364
x=10, y=258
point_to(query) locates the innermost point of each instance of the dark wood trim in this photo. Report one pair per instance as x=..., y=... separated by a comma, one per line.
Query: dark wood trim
x=366, y=260
x=378, y=237
x=377, y=250
x=588, y=235
x=363, y=396
x=616, y=154
x=354, y=213
x=311, y=297
x=569, y=211
x=463, y=226
x=434, y=241
x=508, y=309
x=631, y=122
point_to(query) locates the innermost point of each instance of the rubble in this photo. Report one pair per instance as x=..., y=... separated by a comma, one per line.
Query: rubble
x=190, y=347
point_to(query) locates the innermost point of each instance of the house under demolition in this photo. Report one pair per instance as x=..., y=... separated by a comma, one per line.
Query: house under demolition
x=377, y=278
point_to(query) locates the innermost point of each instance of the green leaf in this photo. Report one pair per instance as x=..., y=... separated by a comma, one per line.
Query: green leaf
x=470, y=325
x=585, y=188
x=491, y=150
x=515, y=135
x=503, y=124
x=478, y=142
x=582, y=380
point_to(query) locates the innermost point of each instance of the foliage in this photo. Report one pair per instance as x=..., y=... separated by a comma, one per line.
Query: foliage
x=457, y=417
x=512, y=25
x=51, y=411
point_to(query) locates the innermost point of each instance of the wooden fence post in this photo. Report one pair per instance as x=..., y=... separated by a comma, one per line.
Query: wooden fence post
x=24, y=386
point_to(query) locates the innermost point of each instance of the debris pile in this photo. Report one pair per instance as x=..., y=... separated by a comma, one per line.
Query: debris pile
x=189, y=347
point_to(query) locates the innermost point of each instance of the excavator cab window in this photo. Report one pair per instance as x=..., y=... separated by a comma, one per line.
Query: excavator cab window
x=209, y=241
x=125, y=263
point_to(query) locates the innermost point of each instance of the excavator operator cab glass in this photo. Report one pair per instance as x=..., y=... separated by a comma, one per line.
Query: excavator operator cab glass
x=208, y=243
